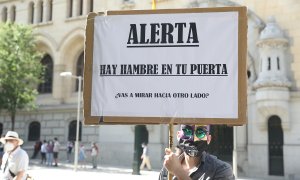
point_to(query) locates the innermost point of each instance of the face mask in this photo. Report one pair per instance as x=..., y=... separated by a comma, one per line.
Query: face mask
x=9, y=147
x=194, y=149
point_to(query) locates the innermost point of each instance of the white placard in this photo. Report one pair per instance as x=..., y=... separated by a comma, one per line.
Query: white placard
x=166, y=65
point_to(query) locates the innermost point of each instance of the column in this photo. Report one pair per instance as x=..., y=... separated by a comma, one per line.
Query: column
x=75, y=8
x=58, y=81
x=85, y=7
x=36, y=13
x=46, y=11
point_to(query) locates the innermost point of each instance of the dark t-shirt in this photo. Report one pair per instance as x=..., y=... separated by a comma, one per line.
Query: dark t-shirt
x=210, y=168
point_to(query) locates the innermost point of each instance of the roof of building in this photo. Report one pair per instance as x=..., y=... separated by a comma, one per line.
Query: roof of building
x=272, y=30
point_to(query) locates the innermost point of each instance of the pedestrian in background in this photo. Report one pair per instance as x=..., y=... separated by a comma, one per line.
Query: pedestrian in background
x=56, y=151
x=49, y=154
x=69, y=150
x=15, y=160
x=94, y=154
x=36, y=149
x=43, y=152
x=1, y=150
x=145, y=157
x=82, y=156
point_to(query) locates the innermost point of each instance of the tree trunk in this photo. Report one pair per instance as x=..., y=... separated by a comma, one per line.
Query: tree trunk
x=13, y=116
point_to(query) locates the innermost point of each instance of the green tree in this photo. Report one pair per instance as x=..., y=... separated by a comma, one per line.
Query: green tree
x=20, y=69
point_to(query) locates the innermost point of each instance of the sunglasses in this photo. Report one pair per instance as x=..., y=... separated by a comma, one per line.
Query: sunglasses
x=200, y=133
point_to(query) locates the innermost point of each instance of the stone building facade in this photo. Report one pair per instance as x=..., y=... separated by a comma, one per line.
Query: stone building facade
x=267, y=146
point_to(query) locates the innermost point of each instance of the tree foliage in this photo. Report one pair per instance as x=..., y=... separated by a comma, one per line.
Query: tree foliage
x=20, y=68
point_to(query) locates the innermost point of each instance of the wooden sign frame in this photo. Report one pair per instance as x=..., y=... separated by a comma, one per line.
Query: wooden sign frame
x=242, y=77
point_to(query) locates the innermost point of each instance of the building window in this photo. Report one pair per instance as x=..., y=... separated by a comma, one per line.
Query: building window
x=4, y=14
x=72, y=131
x=13, y=14
x=128, y=4
x=275, y=146
x=40, y=11
x=79, y=68
x=248, y=74
x=46, y=86
x=269, y=63
x=1, y=129
x=31, y=13
x=50, y=9
x=80, y=8
x=90, y=6
x=278, y=63
x=70, y=8
x=34, y=131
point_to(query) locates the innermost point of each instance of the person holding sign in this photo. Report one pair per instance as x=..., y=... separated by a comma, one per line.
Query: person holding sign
x=194, y=162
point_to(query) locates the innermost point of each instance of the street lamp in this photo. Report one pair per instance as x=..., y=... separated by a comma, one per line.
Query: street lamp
x=69, y=74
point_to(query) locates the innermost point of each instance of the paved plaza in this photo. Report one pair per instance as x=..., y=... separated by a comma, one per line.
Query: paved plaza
x=65, y=171
x=63, y=174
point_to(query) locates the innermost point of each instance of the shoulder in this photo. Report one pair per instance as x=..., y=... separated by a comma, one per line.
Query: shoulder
x=222, y=169
x=19, y=152
x=23, y=153
x=20, y=155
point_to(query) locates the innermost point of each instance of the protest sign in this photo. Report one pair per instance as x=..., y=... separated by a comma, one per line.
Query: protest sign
x=163, y=66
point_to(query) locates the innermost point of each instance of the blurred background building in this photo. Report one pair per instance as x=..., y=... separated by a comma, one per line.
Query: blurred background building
x=267, y=146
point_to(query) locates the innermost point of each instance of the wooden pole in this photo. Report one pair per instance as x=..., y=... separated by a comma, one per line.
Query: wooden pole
x=171, y=128
x=153, y=4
